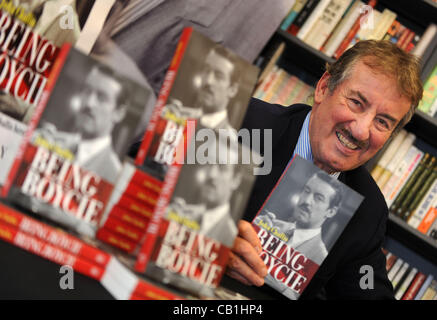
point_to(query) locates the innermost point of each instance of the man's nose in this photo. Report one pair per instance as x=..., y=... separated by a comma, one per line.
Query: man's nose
x=90, y=100
x=361, y=127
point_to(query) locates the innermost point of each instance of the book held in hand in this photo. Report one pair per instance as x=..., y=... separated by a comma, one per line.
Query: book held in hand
x=299, y=223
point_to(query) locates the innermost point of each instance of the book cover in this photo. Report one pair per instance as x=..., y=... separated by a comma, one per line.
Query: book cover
x=299, y=223
x=32, y=33
x=206, y=82
x=188, y=240
x=74, y=155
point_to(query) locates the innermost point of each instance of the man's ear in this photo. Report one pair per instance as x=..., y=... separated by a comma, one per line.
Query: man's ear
x=332, y=212
x=119, y=114
x=322, y=89
x=233, y=89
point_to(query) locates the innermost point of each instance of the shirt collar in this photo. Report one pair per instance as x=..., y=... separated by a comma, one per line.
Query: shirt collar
x=212, y=120
x=303, y=145
x=89, y=148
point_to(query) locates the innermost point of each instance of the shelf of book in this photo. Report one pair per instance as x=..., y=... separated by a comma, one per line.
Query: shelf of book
x=412, y=238
x=420, y=12
x=424, y=126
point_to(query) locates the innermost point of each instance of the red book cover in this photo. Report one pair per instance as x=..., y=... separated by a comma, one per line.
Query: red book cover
x=116, y=240
x=194, y=223
x=122, y=228
x=353, y=31
x=148, y=291
x=56, y=237
x=127, y=216
x=164, y=124
x=299, y=223
x=49, y=251
x=73, y=157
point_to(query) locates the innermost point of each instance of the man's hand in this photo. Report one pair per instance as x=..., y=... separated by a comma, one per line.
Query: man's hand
x=245, y=263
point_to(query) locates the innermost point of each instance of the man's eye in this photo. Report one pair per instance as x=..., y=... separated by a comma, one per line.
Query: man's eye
x=355, y=102
x=382, y=124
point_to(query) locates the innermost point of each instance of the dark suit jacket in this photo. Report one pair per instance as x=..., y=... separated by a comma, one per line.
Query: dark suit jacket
x=360, y=244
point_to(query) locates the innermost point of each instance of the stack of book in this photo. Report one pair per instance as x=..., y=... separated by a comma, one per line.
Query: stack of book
x=428, y=104
x=282, y=88
x=332, y=26
x=408, y=282
x=407, y=178
x=87, y=258
x=129, y=209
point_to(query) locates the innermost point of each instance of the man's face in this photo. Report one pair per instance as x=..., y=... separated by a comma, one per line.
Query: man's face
x=313, y=206
x=98, y=112
x=349, y=126
x=216, y=87
x=216, y=183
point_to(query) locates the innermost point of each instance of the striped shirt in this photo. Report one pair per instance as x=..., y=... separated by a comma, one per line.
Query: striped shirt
x=303, y=145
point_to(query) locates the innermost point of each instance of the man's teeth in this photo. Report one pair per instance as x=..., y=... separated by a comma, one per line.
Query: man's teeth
x=346, y=142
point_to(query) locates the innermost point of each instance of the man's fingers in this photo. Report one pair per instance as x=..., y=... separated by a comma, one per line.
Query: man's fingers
x=240, y=270
x=246, y=231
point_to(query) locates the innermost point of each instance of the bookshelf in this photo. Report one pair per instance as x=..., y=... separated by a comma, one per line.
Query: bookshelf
x=309, y=63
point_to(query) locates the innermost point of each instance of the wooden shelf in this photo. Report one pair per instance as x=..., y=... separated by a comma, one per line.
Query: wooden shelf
x=412, y=238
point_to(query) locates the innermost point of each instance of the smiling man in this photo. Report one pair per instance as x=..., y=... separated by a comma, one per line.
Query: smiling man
x=362, y=100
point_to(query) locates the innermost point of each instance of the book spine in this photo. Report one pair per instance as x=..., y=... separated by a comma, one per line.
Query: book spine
x=293, y=14
x=424, y=286
x=134, y=219
x=409, y=184
x=160, y=209
x=396, y=159
x=402, y=174
x=312, y=19
x=116, y=240
x=399, y=275
x=51, y=81
x=396, y=266
x=163, y=95
x=429, y=218
x=342, y=28
x=388, y=155
x=49, y=251
x=145, y=290
x=353, y=31
x=405, y=284
x=302, y=16
x=416, y=191
x=53, y=236
x=425, y=204
x=413, y=289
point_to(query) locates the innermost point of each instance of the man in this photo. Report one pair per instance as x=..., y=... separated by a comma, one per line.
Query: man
x=362, y=100
x=207, y=202
x=100, y=107
x=319, y=200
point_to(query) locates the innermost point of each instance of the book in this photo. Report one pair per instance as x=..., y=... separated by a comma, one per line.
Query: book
x=417, y=188
x=430, y=217
x=299, y=4
x=431, y=291
x=72, y=159
x=326, y=23
x=302, y=16
x=423, y=287
x=405, y=283
x=290, y=254
x=396, y=159
x=196, y=61
x=414, y=287
x=394, y=269
x=400, y=275
x=360, y=22
x=312, y=19
x=388, y=154
x=410, y=183
x=342, y=28
x=401, y=174
x=40, y=29
x=425, y=204
x=208, y=211
x=429, y=92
